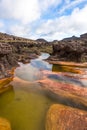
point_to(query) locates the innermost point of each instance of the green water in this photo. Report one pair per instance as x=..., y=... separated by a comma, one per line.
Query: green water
x=26, y=103
x=25, y=108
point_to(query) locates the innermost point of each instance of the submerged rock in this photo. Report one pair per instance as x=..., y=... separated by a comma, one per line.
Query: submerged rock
x=67, y=90
x=61, y=117
x=4, y=124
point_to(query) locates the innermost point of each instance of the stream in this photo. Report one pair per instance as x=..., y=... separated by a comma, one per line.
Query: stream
x=25, y=105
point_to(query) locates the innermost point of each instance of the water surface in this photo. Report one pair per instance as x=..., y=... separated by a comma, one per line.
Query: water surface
x=26, y=103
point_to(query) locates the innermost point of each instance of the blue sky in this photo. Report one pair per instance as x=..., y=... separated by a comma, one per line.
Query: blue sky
x=48, y=19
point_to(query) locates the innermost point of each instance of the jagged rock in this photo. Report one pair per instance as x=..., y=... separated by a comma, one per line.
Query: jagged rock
x=70, y=49
x=7, y=59
x=61, y=117
x=5, y=48
x=4, y=124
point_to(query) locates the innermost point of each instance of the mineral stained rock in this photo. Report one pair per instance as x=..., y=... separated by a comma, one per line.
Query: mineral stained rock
x=4, y=124
x=61, y=117
x=69, y=90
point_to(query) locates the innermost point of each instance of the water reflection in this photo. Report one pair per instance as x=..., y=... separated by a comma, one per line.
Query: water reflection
x=26, y=103
x=32, y=71
x=69, y=74
x=62, y=68
x=25, y=106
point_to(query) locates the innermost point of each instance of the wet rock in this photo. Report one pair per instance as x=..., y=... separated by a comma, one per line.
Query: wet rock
x=4, y=124
x=5, y=85
x=61, y=117
x=66, y=90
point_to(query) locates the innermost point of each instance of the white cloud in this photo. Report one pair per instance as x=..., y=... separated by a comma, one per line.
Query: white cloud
x=25, y=18
x=44, y=4
x=19, y=30
x=25, y=11
x=65, y=26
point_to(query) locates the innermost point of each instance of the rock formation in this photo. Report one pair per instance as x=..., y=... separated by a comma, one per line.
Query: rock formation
x=70, y=49
x=7, y=59
x=4, y=124
x=61, y=117
x=14, y=49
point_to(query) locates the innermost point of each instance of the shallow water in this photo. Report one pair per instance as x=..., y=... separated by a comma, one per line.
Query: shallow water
x=25, y=104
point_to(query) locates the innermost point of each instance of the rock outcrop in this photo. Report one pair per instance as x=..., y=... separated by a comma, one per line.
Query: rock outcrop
x=4, y=124
x=15, y=49
x=7, y=60
x=61, y=117
x=70, y=49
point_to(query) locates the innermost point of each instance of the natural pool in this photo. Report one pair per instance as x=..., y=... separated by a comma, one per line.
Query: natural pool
x=25, y=105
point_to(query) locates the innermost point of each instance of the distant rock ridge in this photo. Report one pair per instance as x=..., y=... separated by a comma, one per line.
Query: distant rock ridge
x=41, y=40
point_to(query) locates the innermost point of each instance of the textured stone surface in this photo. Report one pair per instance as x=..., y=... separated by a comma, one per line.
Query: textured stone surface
x=61, y=117
x=5, y=48
x=70, y=49
x=4, y=124
x=66, y=88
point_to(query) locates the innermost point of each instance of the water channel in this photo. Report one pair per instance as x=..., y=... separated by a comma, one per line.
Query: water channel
x=25, y=105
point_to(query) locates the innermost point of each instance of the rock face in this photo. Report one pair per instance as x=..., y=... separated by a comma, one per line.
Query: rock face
x=4, y=124
x=71, y=49
x=61, y=117
x=5, y=48
x=7, y=59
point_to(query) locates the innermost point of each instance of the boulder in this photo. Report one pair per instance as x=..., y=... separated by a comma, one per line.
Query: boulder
x=4, y=124
x=70, y=51
x=60, y=117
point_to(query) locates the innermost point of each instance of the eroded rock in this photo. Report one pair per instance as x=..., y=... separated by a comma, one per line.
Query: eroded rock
x=4, y=124
x=65, y=88
x=70, y=49
x=61, y=117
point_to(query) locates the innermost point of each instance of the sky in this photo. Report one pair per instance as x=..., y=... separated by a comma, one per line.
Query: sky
x=48, y=19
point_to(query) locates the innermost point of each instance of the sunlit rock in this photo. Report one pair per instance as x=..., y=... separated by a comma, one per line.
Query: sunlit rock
x=61, y=117
x=4, y=124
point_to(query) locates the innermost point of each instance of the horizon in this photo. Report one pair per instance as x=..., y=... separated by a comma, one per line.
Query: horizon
x=49, y=20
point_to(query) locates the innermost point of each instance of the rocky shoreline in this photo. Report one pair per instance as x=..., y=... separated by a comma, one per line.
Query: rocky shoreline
x=68, y=52
x=16, y=49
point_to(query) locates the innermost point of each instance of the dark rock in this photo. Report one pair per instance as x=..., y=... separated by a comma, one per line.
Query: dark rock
x=7, y=59
x=41, y=40
x=70, y=50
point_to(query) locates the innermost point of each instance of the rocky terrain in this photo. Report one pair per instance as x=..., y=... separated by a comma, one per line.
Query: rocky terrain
x=68, y=88
x=14, y=49
x=70, y=49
